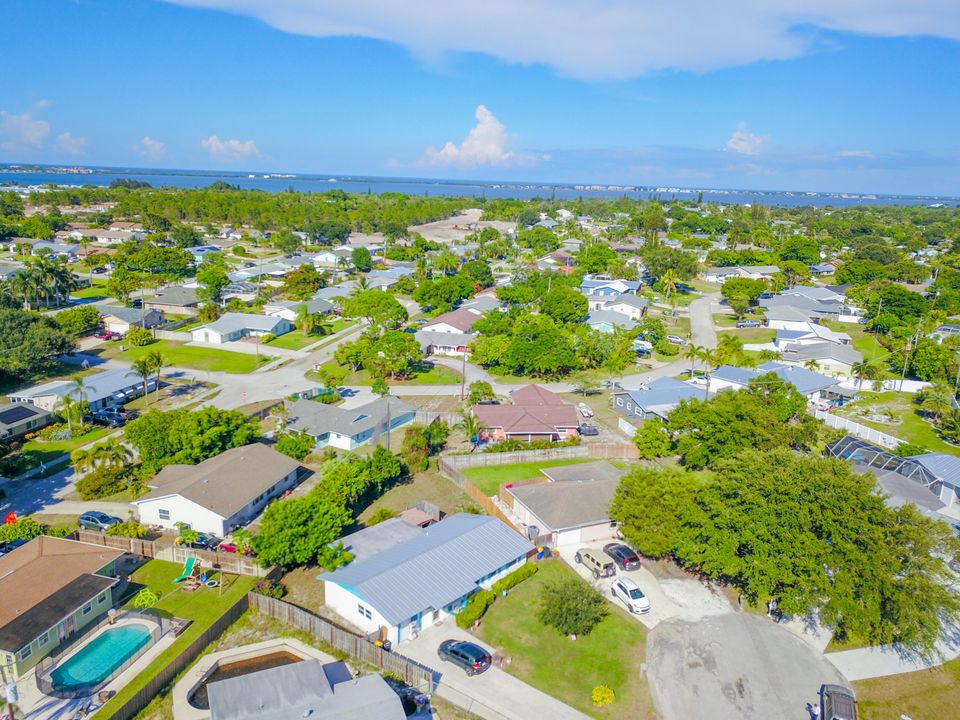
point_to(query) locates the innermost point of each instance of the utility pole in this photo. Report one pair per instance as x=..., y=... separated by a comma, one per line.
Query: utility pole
x=907, y=350
x=463, y=374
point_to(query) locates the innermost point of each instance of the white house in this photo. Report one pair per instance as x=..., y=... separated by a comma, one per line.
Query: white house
x=236, y=326
x=751, y=272
x=456, y=321
x=119, y=319
x=427, y=579
x=219, y=494
x=112, y=387
x=288, y=309
x=348, y=429
x=809, y=335
x=633, y=306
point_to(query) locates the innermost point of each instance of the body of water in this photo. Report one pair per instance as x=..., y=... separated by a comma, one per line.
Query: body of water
x=277, y=182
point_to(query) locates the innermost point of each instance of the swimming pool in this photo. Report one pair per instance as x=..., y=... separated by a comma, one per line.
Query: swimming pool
x=97, y=660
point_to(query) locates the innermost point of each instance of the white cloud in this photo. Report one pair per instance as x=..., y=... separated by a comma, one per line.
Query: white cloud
x=150, y=148
x=744, y=142
x=19, y=131
x=868, y=154
x=70, y=143
x=605, y=38
x=485, y=145
x=229, y=149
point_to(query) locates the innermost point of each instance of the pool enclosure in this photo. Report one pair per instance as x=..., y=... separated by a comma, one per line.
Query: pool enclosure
x=863, y=453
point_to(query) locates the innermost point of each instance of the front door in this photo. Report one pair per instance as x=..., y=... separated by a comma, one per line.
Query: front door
x=66, y=628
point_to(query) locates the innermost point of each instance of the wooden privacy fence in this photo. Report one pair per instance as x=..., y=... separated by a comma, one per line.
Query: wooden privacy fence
x=227, y=562
x=410, y=671
x=487, y=504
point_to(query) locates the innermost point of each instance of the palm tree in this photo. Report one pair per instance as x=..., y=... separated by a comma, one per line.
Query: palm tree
x=157, y=362
x=470, y=426
x=936, y=400
x=729, y=349
x=812, y=364
x=446, y=262
x=279, y=413
x=114, y=453
x=360, y=284
x=863, y=370
x=669, y=281
x=83, y=460
x=144, y=369
x=693, y=353
x=306, y=320
x=78, y=393
x=65, y=408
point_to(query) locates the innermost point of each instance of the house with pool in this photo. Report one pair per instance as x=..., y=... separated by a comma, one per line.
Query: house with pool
x=51, y=590
x=422, y=580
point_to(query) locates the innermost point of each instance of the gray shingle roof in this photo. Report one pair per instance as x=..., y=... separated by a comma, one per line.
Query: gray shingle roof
x=132, y=315
x=662, y=395
x=175, y=295
x=232, y=322
x=442, y=565
x=822, y=351
x=373, y=540
x=568, y=504
x=316, y=418
x=805, y=381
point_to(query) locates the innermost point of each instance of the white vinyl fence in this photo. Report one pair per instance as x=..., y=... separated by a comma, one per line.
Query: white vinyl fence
x=861, y=431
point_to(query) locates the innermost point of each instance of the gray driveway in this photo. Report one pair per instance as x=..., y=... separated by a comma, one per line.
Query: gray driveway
x=494, y=694
x=734, y=667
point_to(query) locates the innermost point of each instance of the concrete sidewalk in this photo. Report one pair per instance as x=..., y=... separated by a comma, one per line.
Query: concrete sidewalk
x=871, y=662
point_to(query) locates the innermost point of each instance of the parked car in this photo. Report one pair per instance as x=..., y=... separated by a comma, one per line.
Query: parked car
x=837, y=703
x=748, y=324
x=595, y=563
x=626, y=590
x=588, y=430
x=228, y=547
x=99, y=270
x=489, y=402
x=676, y=340
x=203, y=542
x=623, y=556
x=584, y=410
x=102, y=417
x=107, y=335
x=96, y=520
x=469, y=656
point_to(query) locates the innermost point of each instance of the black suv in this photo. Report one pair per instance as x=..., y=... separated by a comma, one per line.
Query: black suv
x=472, y=658
x=623, y=556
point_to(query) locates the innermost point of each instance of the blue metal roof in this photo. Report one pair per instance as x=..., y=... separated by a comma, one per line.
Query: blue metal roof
x=945, y=467
x=805, y=381
x=442, y=565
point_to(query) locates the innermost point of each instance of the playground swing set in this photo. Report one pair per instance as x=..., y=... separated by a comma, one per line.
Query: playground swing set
x=192, y=578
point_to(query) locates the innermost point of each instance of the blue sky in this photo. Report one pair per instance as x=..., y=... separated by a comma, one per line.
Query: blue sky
x=849, y=95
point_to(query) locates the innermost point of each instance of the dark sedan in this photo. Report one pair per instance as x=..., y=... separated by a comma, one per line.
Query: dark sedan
x=472, y=658
x=623, y=556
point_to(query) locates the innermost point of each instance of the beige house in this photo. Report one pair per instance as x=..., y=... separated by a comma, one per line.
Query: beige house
x=51, y=589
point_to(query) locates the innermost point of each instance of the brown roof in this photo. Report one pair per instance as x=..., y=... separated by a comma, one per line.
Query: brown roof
x=226, y=483
x=538, y=420
x=461, y=319
x=35, y=574
x=535, y=395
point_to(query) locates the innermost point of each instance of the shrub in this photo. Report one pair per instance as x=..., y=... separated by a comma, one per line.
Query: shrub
x=667, y=348
x=268, y=338
x=23, y=529
x=138, y=336
x=102, y=482
x=270, y=588
x=475, y=609
x=295, y=445
x=515, y=578
x=571, y=606
x=78, y=320
x=602, y=695
x=130, y=528
x=512, y=444
x=379, y=515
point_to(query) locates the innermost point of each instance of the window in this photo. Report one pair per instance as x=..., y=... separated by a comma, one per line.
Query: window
x=42, y=639
x=619, y=402
x=25, y=653
x=629, y=405
x=367, y=614
x=163, y=514
x=86, y=609
x=101, y=598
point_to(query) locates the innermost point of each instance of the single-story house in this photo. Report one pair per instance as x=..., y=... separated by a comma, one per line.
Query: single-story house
x=607, y=321
x=789, y=317
x=812, y=385
x=829, y=357
x=633, y=306
x=119, y=319
x=111, y=387
x=221, y=493
x=946, y=330
x=655, y=399
x=342, y=290
x=427, y=579
x=813, y=333
x=348, y=429
x=272, y=270
x=304, y=689
x=456, y=321
x=573, y=507
x=66, y=250
x=111, y=236
x=231, y=326
x=751, y=272
x=52, y=588
x=536, y=413
x=200, y=252
x=822, y=269
x=334, y=258
x=8, y=271
x=444, y=343
x=289, y=309
x=19, y=419
x=374, y=539
x=592, y=287
x=175, y=300
x=482, y=304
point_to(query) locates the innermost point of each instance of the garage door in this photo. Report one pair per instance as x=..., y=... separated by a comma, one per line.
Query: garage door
x=568, y=537
x=597, y=532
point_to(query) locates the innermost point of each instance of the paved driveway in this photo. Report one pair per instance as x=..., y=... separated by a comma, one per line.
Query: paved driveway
x=684, y=598
x=734, y=667
x=494, y=694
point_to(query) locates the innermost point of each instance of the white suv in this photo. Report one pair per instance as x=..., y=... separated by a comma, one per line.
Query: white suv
x=626, y=590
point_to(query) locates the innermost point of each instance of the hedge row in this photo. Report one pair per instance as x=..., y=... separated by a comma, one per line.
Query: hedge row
x=515, y=578
x=475, y=609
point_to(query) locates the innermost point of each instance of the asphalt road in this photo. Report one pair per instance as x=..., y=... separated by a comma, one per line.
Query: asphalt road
x=734, y=667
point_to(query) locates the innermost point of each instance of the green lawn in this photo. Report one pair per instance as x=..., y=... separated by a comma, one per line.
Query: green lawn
x=753, y=335
x=489, y=479
x=95, y=292
x=430, y=374
x=37, y=451
x=921, y=694
x=862, y=340
x=912, y=428
x=204, y=607
x=566, y=669
x=296, y=340
x=197, y=358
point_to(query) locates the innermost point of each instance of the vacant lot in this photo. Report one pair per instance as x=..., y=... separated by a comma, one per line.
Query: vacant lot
x=752, y=335
x=194, y=357
x=919, y=695
x=428, y=485
x=489, y=479
x=566, y=669
x=905, y=420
